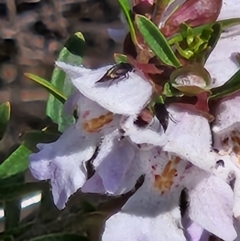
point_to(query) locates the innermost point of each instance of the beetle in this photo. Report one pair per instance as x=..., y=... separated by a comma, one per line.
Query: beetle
x=162, y=115
x=116, y=72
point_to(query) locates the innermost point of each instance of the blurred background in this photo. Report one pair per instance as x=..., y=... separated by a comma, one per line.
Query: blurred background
x=32, y=32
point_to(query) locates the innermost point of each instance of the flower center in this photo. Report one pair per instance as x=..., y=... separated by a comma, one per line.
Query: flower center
x=165, y=181
x=96, y=124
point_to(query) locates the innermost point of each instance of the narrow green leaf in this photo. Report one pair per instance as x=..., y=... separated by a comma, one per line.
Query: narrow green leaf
x=4, y=117
x=156, y=41
x=72, y=53
x=17, y=162
x=230, y=87
x=47, y=85
x=61, y=237
x=126, y=8
x=226, y=23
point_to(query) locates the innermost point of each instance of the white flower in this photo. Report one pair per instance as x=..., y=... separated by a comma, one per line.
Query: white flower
x=108, y=136
x=97, y=131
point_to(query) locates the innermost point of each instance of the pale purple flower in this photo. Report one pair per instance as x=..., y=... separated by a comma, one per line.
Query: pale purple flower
x=121, y=151
x=97, y=127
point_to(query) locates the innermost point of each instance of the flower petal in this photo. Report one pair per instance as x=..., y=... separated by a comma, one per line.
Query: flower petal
x=126, y=97
x=93, y=118
x=114, y=166
x=211, y=203
x=194, y=147
x=193, y=231
x=152, y=134
x=227, y=115
x=146, y=216
x=194, y=13
x=230, y=9
x=226, y=137
x=152, y=213
x=221, y=64
x=94, y=185
x=230, y=173
x=62, y=163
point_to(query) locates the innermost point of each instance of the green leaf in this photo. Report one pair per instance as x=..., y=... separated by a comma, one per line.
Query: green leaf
x=212, y=42
x=194, y=46
x=120, y=58
x=178, y=37
x=75, y=45
x=170, y=91
x=4, y=117
x=72, y=54
x=60, y=237
x=226, y=23
x=230, y=87
x=17, y=162
x=126, y=8
x=47, y=85
x=156, y=41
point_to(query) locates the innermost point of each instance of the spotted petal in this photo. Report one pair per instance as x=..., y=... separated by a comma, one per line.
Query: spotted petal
x=226, y=128
x=230, y=173
x=146, y=216
x=127, y=96
x=63, y=163
x=152, y=213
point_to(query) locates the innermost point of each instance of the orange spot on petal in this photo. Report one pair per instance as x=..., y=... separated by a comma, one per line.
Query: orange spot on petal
x=96, y=124
x=165, y=181
x=235, y=139
x=236, y=149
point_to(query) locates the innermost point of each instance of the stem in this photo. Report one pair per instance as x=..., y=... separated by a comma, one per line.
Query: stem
x=159, y=8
